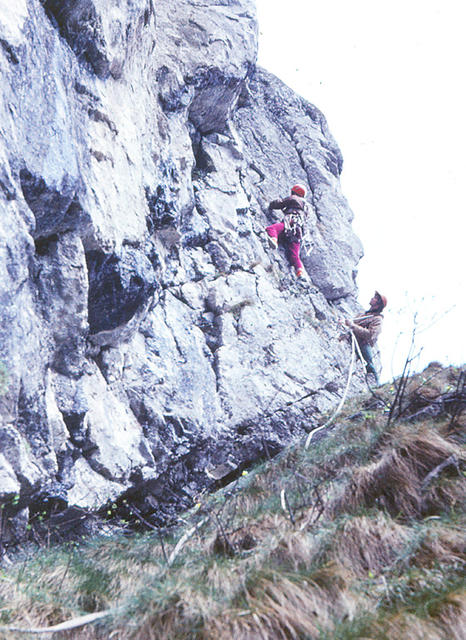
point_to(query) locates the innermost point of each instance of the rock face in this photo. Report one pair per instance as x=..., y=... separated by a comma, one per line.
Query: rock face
x=147, y=331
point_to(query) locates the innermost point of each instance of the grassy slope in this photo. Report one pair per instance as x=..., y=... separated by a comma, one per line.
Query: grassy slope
x=349, y=539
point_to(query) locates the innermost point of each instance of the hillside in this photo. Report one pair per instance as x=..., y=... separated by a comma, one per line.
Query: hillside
x=361, y=535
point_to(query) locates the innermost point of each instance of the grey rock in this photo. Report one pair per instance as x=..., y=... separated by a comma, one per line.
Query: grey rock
x=119, y=285
x=8, y=481
x=147, y=331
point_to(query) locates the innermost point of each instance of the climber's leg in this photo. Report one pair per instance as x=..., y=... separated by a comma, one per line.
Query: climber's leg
x=273, y=232
x=295, y=260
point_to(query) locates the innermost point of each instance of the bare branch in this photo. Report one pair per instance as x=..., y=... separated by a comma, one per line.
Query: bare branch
x=182, y=541
x=451, y=461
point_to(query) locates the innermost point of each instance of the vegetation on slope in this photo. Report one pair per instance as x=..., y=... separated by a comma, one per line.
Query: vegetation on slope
x=359, y=536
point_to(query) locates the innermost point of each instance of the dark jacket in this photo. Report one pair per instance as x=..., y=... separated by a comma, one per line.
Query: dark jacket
x=295, y=210
x=289, y=204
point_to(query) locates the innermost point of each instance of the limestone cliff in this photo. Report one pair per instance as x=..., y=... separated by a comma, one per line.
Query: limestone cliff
x=147, y=332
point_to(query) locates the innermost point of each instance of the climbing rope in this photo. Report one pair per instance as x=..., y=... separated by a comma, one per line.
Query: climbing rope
x=354, y=346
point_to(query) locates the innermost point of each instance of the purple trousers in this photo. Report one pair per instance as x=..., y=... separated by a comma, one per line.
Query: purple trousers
x=274, y=231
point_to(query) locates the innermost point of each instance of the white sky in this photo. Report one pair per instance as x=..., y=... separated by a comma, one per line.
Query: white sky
x=390, y=79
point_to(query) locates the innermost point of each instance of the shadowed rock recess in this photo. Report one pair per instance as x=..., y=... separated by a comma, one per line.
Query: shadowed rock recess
x=147, y=332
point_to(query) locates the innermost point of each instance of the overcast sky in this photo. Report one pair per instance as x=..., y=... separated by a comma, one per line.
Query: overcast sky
x=390, y=79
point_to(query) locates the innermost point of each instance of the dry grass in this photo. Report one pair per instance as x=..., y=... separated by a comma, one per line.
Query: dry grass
x=448, y=622
x=394, y=481
x=366, y=546
x=407, y=625
x=283, y=606
x=442, y=545
x=452, y=615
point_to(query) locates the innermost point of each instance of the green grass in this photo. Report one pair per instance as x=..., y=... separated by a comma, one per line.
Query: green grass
x=339, y=561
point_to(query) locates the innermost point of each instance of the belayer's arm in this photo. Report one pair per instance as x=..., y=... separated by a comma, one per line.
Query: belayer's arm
x=368, y=334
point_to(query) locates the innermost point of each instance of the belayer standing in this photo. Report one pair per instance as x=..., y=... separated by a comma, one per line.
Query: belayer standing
x=366, y=329
x=296, y=211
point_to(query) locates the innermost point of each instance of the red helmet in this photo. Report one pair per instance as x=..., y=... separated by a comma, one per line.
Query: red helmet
x=383, y=299
x=299, y=190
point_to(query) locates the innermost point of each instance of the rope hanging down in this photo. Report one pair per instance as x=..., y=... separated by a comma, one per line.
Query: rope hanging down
x=354, y=346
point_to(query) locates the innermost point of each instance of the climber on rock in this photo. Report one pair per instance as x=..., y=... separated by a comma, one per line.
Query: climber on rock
x=292, y=227
x=366, y=329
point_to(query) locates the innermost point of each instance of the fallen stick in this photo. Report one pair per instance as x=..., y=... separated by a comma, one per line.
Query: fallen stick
x=182, y=541
x=63, y=626
x=438, y=470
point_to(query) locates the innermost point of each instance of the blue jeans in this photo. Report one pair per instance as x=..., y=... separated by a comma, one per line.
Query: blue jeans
x=368, y=356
